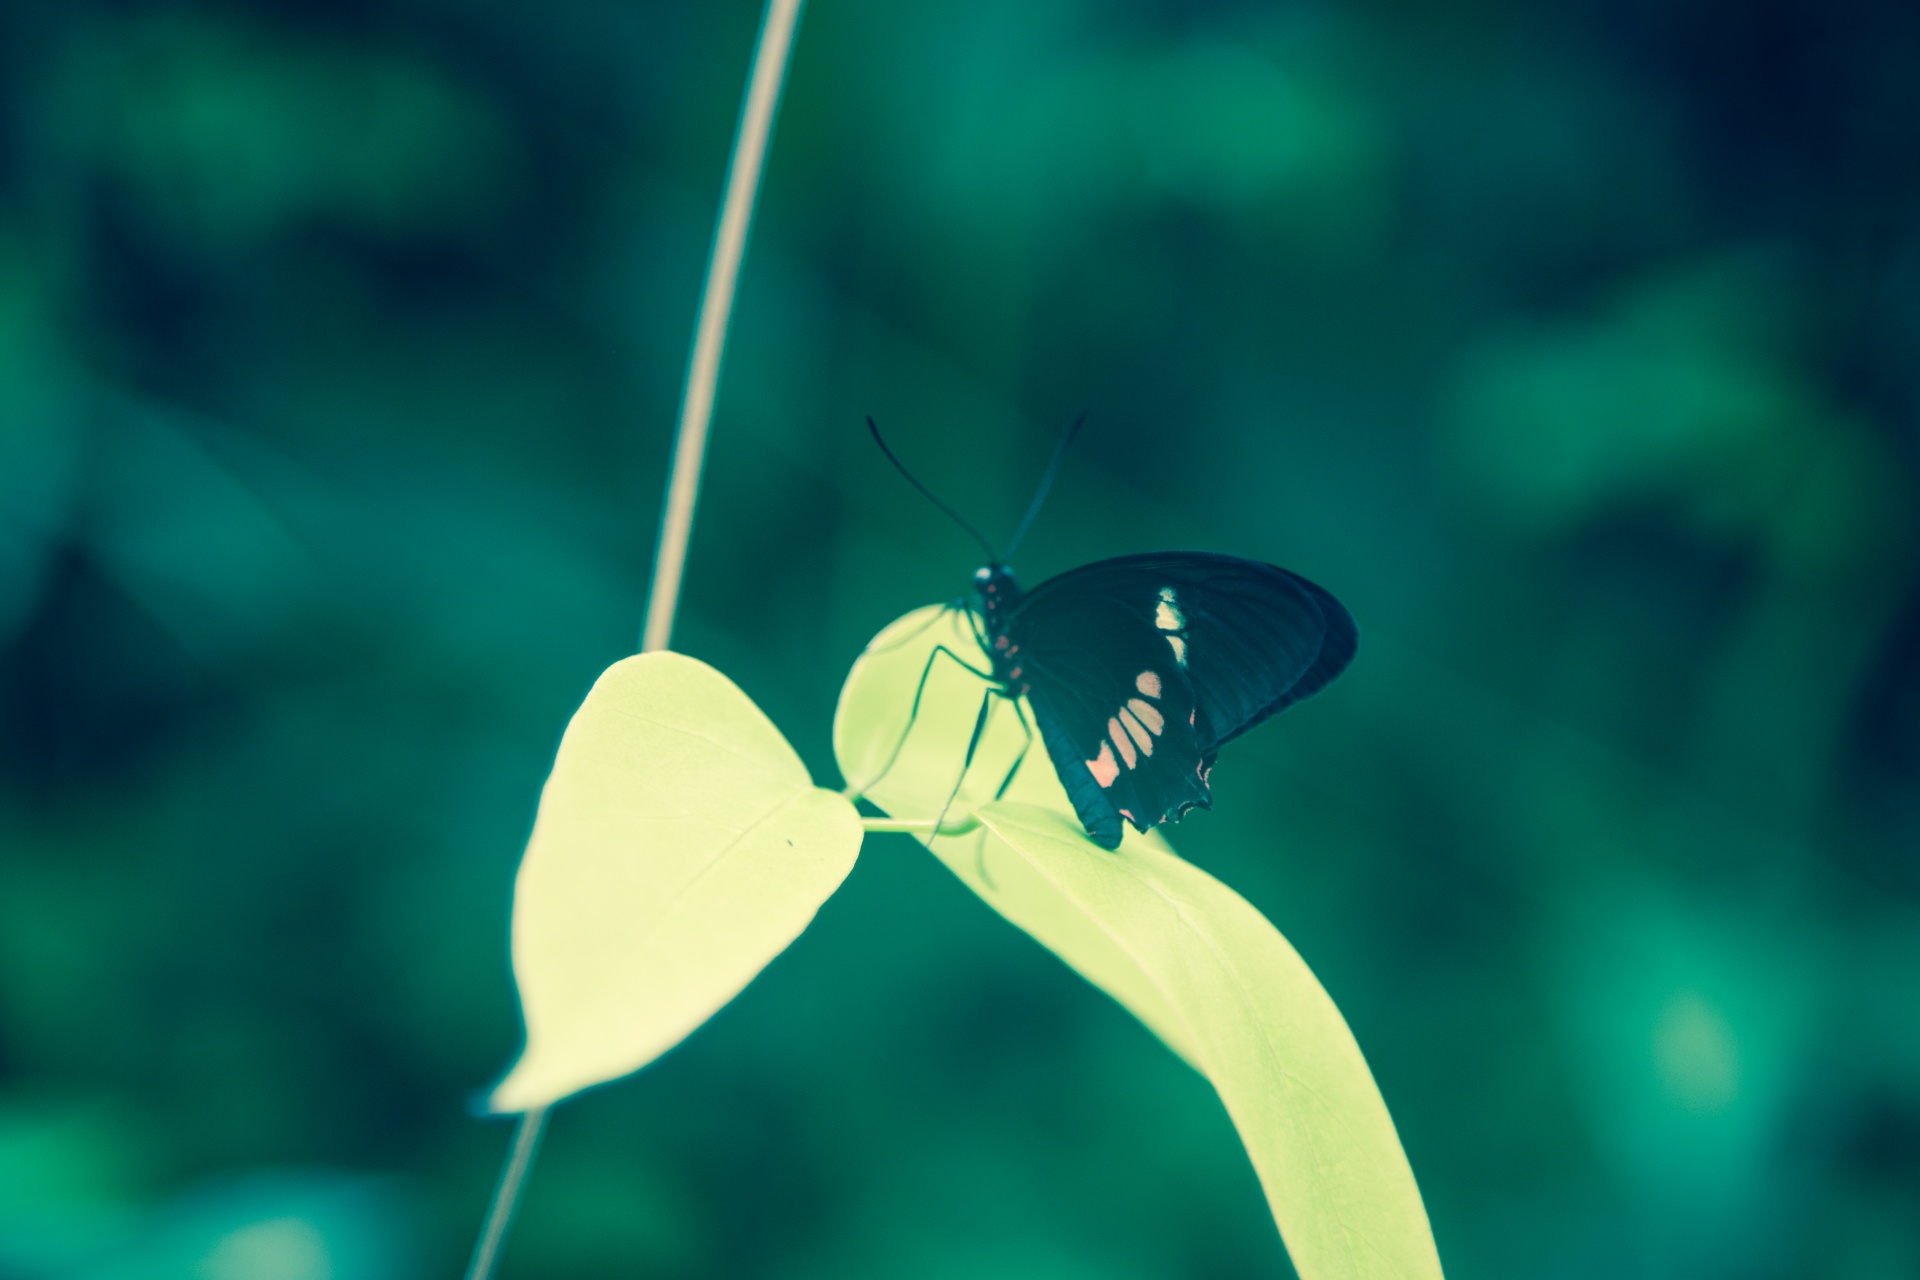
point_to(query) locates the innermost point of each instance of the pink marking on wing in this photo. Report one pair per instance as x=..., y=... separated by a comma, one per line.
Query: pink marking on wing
x=1140, y=735
x=1102, y=767
x=1148, y=682
x=1122, y=742
x=1155, y=722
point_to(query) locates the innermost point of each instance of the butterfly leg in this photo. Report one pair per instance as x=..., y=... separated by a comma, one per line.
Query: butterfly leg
x=1022, y=757
x=973, y=745
x=980, y=849
x=913, y=714
x=979, y=630
x=952, y=606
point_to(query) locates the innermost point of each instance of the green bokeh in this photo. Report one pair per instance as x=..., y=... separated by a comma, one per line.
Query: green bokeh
x=1573, y=346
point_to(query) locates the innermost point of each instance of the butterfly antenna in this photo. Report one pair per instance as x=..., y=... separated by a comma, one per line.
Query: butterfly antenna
x=1046, y=482
x=993, y=557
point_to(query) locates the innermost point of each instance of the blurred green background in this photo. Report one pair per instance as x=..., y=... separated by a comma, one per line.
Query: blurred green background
x=1574, y=345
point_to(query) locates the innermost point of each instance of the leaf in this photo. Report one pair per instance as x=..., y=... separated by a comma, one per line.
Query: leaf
x=1186, y=955
x=1265, y=1033
x=680, y=846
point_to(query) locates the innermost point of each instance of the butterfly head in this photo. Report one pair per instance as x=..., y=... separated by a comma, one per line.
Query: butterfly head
x=996, y=584
x=998, y=592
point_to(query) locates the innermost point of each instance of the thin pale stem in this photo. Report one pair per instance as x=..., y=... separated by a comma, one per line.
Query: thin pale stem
x=506, y=1196
x=716, y=308
x=771, y=54
x=916, y=826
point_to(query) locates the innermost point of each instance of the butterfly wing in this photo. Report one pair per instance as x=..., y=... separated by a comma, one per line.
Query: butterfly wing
x=1115, y=711
x=1229, y=641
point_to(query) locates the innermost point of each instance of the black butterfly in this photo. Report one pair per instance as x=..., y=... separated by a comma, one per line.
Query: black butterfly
x=1140, y=668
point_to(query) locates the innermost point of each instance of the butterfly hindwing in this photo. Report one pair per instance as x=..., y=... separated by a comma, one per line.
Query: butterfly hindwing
x=1090, y=803
x=1226, y=642
x=1115, y=710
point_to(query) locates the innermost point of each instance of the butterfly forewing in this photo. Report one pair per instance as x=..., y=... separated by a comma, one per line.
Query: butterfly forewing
x=1259, y=639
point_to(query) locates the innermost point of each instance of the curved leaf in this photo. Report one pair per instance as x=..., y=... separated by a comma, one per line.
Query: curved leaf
x=1186, y=955
x=1266, y=1034
x=680, y=846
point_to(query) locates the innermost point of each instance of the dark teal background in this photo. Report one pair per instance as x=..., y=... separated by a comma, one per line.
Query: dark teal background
x=1573, y=345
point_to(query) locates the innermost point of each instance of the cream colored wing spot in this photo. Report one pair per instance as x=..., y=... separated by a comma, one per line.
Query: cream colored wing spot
x=1103, y=768
x=1139, y=734
x=1148, y=682
x=1122, y=743
x=1168, y=618
x=1145, y=713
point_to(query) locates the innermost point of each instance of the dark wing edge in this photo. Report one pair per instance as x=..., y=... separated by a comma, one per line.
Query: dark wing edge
x=1339, y=642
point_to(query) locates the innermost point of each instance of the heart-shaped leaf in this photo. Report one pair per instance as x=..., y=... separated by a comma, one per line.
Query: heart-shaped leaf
x=1190, y=958
x=680, y=846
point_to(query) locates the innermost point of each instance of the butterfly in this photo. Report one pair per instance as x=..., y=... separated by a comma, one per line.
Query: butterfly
x=1140, y=668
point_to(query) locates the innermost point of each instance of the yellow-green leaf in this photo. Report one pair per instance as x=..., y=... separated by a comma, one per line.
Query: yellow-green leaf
x=1265, y=1033
x=680, y=846
x=1190, y=958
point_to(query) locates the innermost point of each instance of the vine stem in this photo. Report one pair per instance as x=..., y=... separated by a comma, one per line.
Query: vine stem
x=769, y=73
x=912, y=826
x=506, y=1196
x=771, y=54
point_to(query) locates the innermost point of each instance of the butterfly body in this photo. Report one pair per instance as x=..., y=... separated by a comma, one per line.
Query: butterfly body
x=1000, y=597
x=1139, y=669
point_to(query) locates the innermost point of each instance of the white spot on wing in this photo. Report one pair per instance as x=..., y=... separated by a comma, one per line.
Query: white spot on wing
x=1102, y=766
x=1147, y=715
x=1179, y=649
x=1123, y=742
x=1148, y=682
x=1140, y=735
x=1167, y=616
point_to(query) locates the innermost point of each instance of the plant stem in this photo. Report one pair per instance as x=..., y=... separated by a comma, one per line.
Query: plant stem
x=772, y=51
x=911, y=826
x=716, y=308
x=506, y=1196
